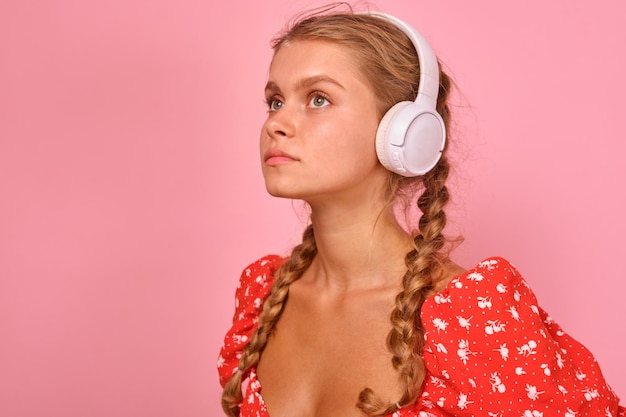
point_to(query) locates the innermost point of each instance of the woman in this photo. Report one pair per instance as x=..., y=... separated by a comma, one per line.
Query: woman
x=365, y=317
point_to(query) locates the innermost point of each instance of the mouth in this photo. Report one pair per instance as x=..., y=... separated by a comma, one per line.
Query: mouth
x=274, y=157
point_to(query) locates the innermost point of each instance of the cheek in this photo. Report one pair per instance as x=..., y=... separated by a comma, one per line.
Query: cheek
x=264, y=140
x=352, y=152
x=362, y=141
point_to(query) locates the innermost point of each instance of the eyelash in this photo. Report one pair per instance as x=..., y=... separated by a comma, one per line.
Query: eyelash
x=317, y=94
x=269, y=101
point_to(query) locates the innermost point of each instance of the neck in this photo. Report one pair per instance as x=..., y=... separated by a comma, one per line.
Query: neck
x=358, y=248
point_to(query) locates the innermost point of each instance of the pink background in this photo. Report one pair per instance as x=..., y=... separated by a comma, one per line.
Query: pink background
x=131, y=196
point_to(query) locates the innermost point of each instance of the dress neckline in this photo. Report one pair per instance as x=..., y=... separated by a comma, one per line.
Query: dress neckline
x=254, y=385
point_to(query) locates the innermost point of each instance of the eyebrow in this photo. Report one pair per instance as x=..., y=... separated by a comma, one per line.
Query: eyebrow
x=306, y=83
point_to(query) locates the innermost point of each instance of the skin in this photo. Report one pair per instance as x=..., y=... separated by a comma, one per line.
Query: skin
x=318, y=145
x=323, y=114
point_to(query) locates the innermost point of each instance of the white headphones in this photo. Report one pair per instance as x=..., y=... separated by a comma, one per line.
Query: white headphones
x=411, y=135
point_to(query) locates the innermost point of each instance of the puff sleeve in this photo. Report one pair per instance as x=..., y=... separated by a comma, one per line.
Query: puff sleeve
x=492, y=351
x=252, y=289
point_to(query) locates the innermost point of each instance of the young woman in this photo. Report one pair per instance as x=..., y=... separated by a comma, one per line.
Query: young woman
x=365, y=317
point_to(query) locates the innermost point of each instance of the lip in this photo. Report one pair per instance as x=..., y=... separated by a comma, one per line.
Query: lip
x=277, y=157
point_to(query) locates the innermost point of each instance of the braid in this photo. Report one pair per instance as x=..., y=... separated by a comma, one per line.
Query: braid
x=424, y=269
x=291, y=270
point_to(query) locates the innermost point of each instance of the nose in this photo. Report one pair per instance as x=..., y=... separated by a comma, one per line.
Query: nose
x=281, y=123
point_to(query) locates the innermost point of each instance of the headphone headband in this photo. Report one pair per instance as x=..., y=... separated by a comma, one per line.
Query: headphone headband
x=429, y=68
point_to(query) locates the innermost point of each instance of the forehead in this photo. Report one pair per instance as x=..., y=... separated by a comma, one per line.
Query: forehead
x=306, y=58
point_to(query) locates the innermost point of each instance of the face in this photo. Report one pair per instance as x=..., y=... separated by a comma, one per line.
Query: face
x=318, y=142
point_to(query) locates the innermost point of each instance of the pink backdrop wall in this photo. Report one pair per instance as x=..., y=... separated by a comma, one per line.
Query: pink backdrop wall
x=131, y=196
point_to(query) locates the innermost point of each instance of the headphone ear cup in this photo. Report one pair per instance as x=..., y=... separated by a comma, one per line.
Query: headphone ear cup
x=410, y=139
x=383, y=146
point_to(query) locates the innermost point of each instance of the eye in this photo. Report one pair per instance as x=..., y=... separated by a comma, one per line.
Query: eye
x=274, y=104
x=318, y=101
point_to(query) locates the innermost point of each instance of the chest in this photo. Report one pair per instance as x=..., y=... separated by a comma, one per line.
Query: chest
x=321, y=356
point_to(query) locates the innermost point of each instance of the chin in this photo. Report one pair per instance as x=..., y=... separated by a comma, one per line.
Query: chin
x=276, y=190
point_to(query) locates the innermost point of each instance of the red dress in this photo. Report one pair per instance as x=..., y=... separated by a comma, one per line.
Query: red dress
x=490, y=351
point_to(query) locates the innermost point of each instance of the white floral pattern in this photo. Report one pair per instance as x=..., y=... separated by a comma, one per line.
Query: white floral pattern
x=490, y=351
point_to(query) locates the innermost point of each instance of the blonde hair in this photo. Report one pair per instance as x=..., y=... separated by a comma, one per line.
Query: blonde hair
x=388, y=60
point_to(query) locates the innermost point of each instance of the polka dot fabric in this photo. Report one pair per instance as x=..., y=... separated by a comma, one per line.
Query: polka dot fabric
x=490, y=351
